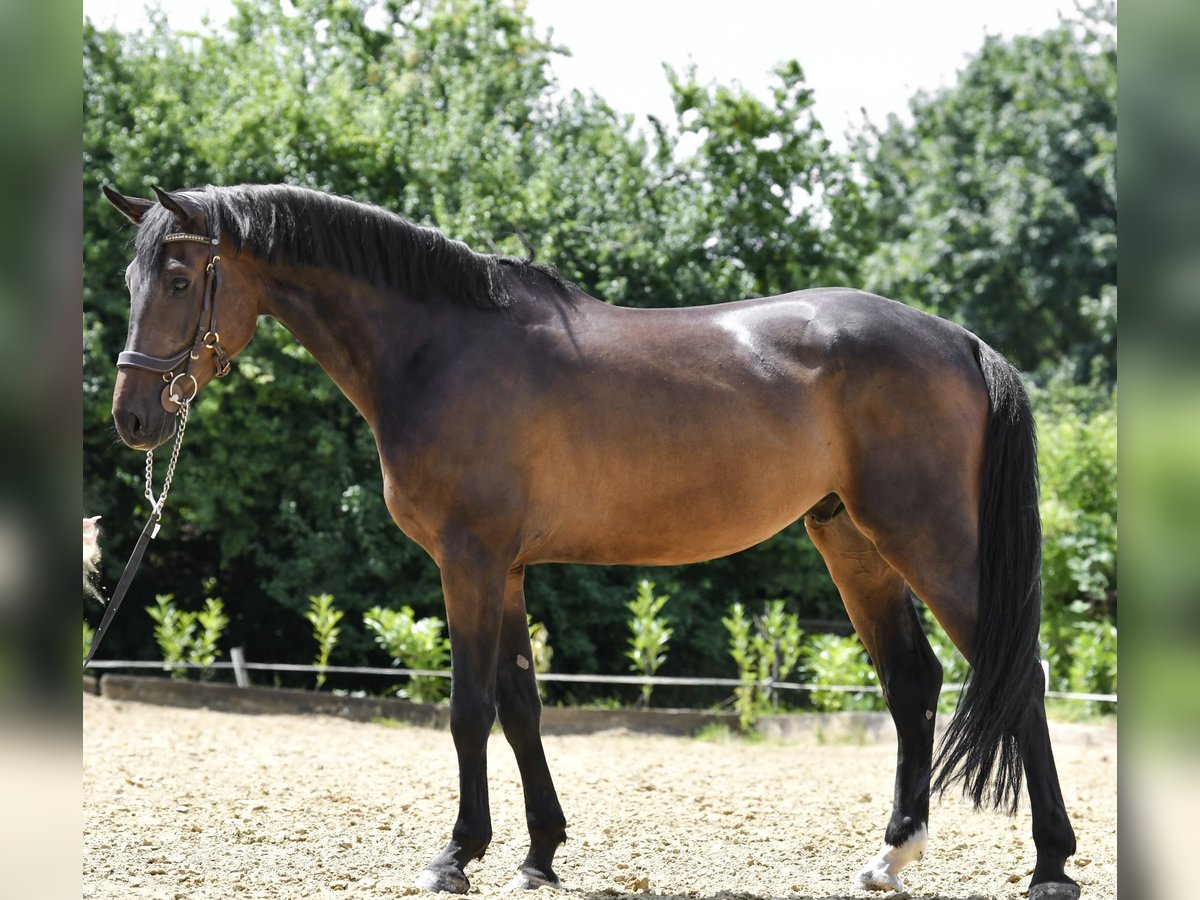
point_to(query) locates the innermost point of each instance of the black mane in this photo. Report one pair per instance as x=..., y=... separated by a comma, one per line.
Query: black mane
x=280, y=223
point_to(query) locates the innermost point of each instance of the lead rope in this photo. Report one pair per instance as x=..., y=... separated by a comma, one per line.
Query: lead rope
x=157, y=504
x=148, y=533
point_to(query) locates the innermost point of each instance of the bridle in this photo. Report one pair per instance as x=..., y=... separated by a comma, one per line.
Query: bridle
x=206, y=338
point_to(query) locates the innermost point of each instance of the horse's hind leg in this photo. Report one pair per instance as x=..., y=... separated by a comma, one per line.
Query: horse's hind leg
x=945, y=575
x=955, y=607
x=939, y=474
x=520, y=711
x=1052, y=832
x=881, y=609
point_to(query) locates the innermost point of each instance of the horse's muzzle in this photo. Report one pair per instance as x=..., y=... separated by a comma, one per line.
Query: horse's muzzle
x=146, y=430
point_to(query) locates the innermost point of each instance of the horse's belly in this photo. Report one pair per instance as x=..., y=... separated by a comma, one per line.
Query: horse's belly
x=676, y=511
x=675, y=546
x=687, y=541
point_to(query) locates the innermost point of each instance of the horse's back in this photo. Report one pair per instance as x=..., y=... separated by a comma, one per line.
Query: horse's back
x=820, y=325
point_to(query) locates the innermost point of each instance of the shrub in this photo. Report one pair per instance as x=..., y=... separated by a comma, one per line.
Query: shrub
x=1081, y=647
x=88, y=634
x=649, y=634
x=741, y=648
x=173, y=631
x=176, y=633
x=324, y=618
x=1077, y=456
x=765, y=648
x=1093, y=666
x=539, y=646
x=832, y=659
x=1077, y=460
x=413, y=644
x=777, y=644
x=212, y=621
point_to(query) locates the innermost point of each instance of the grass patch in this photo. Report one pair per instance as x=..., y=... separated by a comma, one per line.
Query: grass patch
x=715, y=733
x=388, y=722
x=720, y=733
x=1088, y=713
x=597, y=703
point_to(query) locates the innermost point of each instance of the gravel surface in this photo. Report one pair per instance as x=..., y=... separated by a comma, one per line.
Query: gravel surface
x=190, y=804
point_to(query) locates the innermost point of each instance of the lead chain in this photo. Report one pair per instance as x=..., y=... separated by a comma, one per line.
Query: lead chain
x=158, y=503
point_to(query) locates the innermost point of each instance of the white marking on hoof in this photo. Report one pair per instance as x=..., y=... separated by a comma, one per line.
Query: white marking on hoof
x=1054, y=890
x=525, y=882
x=883, y=872
x=442, y=882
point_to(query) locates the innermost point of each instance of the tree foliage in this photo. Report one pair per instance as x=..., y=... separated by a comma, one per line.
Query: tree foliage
x=994, y=207
x=997, y=205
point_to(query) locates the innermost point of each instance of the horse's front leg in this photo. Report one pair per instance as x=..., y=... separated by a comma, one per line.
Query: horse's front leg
x=474, y=592
x=520, y=715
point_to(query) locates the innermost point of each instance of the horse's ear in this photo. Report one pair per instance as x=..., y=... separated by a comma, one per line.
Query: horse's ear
x=132, y=208
x=184, y=207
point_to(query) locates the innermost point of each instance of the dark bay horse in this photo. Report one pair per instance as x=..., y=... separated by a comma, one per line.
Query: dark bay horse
x=519, y=420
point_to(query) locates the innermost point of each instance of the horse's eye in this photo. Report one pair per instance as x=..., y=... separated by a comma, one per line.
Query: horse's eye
x=179, y=285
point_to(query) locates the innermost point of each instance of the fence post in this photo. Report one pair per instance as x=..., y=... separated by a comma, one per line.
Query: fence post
x=238, y=658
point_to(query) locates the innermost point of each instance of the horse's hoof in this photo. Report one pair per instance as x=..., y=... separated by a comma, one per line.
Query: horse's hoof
x=883, y=872
x=444, y=881
x=1054, y=890
x=531, y=881
x=872, y=879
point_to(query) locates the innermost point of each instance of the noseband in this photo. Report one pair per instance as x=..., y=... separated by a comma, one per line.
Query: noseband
x=206, y=338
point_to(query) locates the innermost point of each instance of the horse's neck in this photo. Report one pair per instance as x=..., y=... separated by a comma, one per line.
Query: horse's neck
x=365, y=337
x=353, y=330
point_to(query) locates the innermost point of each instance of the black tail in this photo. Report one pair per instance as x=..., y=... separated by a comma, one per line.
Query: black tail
x=981, y=746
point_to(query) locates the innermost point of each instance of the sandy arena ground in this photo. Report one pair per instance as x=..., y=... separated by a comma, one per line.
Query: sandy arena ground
x=195, y=804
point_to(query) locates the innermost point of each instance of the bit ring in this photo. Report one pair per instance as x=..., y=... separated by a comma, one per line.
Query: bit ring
x=171, y=388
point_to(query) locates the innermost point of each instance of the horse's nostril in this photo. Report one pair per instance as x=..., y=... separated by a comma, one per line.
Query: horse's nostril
x=135, y=424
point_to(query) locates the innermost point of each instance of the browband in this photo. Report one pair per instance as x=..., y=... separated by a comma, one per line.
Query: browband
x=187, y=236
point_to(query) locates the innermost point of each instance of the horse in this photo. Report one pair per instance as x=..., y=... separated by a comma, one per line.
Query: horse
x=519, y=420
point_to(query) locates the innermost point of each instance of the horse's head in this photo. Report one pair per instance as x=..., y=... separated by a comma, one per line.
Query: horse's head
x=179, y=289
